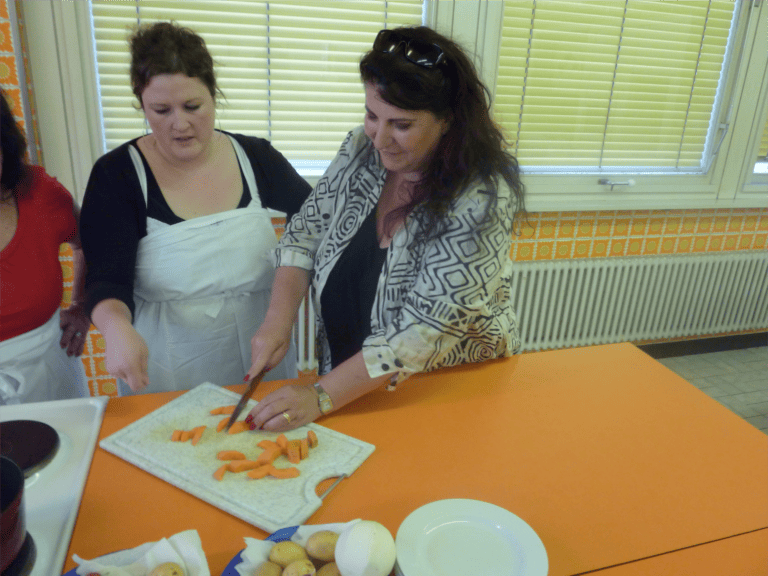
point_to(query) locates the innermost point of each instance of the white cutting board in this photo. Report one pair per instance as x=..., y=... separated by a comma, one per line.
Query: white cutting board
x=268, y=503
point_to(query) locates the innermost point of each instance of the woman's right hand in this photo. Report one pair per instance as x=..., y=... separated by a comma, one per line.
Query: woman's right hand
x=126, y=357
x=268, y=347
x=127, y=353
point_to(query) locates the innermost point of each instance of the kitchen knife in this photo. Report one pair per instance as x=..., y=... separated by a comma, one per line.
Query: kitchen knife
x=244, y=400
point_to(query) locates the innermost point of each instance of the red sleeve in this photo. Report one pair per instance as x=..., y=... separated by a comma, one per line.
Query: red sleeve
x=55, y=202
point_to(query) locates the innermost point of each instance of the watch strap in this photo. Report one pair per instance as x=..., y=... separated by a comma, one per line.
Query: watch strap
x=323, y=400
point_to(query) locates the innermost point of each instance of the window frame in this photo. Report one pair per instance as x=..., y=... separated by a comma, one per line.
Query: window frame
x=71, y=139
x=729, y=182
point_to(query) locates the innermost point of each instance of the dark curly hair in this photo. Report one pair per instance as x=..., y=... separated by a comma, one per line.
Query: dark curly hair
x=14, y=148
x=168, y=48
x=474, y=145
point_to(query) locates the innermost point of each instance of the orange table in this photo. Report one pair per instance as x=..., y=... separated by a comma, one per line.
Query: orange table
x=743, y=555
x=608, y=455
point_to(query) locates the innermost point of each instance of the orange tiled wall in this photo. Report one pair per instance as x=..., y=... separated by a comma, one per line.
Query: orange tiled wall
x=564, y=235
x=9, y=63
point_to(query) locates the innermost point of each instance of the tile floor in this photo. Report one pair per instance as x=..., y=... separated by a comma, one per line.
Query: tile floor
x=738, y=379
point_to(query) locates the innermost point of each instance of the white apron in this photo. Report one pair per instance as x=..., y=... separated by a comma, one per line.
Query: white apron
x=35, y=368
x=202, y=289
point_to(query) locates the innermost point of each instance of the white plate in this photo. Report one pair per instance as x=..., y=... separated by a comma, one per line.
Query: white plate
x=460, y=537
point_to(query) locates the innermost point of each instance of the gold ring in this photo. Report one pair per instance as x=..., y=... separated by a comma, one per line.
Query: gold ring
x=287, y=417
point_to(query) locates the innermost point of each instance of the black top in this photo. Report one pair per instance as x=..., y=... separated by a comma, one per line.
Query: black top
x=157, y=205
x=349, y=292
x=114, y=215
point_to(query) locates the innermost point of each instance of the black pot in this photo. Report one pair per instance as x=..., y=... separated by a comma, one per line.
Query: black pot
x=13, y=529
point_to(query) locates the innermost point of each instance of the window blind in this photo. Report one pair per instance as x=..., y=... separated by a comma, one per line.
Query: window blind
x=288, y=70
x=619, y=85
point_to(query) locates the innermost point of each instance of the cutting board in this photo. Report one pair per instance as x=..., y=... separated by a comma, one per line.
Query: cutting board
x=268, y=503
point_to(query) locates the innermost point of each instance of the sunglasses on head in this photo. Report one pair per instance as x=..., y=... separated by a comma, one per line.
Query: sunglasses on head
x=420, y=52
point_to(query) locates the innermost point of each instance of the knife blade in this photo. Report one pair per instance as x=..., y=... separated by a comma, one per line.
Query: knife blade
x=244, y=400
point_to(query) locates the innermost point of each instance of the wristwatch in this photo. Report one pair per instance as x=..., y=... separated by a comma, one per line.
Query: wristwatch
x=323, y=400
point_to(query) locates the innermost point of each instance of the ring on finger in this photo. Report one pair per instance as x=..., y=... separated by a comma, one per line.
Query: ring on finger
x=78, y=333
x=287, y=417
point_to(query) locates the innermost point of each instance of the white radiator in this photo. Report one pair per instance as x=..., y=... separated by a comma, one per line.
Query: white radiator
x=567, y=303
x=598, y=301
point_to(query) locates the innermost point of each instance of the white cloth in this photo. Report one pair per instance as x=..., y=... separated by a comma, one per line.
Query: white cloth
x=202, y=289
x=184, y=548
x=35, y=368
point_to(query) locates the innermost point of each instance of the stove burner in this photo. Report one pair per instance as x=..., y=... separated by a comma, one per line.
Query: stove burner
x=24, y=561
x=29, y=443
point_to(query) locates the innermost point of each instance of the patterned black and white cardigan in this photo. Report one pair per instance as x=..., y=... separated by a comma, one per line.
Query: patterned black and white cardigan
x=444, y=303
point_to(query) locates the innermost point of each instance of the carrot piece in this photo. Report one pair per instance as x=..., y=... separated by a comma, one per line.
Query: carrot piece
x=230, y=455
x=219, y=474
x=269, y=456
x=293, y=451
x=239, y=426
x=197, y=433
x=176, y=436
x=268, y=445
x=223, y=410
x=259, y=472
x=303, y=448
x=312, y=438
x=221, y=425
x=283, y=473
x=185, y=434
x=243, y=465
x=282, y=441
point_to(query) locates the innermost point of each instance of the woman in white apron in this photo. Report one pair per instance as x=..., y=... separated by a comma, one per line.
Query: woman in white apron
x=177, y=231
x=198, y=306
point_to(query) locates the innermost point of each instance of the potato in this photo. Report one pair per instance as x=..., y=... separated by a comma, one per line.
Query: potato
x=329, y=569
x=321, y=545
x=284, y=553
x=167, y=569
x=268, y=569
x=300, y=568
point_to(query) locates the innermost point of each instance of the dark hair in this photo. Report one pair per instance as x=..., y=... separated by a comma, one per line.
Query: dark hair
x=167, y=48
x=474, y=145
x=14, y=147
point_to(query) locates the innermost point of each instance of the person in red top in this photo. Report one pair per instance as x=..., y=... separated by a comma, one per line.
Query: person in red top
x=39, y=343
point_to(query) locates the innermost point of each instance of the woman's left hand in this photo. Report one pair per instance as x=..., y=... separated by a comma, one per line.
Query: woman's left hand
x=74, y=329
x=285, y=409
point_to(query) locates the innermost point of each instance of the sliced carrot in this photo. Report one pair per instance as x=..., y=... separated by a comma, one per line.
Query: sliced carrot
x=243, y=465
x=221, y=425
x=219, y=474
x=176, y=436
x=230, y=455
x=185, y=434
x=223, y=410
x=239, y=426
x=268, y=445
x=312, y=438
x=293, y=451
x=283, y=473
x=282, y=441
x=303, y=448
x=269, y=456
x=259, y=472
x=197, y=433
